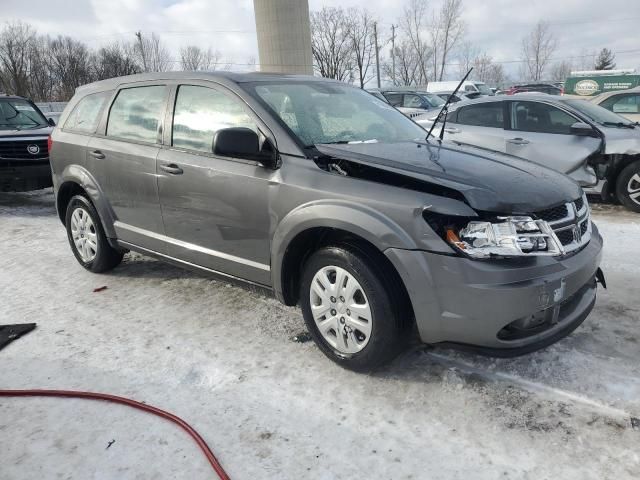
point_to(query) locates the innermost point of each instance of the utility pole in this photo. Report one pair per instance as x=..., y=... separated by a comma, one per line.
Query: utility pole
x=393, y=53
x=375, y=38
x=143, y=54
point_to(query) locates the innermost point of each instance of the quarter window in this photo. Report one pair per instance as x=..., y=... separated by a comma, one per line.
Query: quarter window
x=200, y=112
x=622, y=104
x=136, y=113
x=85, y=116
x=482, y=115
x=540, y=118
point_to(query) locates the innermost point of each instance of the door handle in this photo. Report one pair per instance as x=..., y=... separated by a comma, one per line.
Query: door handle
x=452, y=130
x=96, y=154
x=518, y=141
x=171, y=168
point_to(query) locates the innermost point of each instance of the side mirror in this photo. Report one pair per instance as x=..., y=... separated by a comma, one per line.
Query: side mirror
x=582, y=129
x=244, y=143
x=51, y=122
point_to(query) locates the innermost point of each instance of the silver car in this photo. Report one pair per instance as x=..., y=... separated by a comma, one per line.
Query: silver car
x=597, y=148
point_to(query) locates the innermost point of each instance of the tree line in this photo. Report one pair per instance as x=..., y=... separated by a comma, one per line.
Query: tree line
x=348, y=44
x=46, y=68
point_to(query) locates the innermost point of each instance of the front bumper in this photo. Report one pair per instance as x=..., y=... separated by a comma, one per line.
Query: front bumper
x=24, y=176
x=470, y=302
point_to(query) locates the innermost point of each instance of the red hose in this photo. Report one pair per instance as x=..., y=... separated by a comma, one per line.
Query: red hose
x=130, y=403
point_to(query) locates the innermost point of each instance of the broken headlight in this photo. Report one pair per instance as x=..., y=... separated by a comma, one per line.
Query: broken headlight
x=505, y=237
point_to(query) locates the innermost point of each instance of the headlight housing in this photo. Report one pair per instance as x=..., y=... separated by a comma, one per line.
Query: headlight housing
x=505, y=237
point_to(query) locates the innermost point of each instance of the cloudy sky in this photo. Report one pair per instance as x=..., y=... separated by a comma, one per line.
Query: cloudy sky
x=494, y=26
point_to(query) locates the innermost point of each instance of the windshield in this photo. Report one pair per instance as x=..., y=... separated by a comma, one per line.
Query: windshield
x=17, y=114
x=323, y=112
x=484, y=89
x=596, y=113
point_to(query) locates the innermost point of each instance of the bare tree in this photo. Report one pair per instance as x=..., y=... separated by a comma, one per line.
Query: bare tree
x=406, y=71
x=361, y=35
x=115, y=60
x=193, y=58
x=467, y=54
x=560, y=71
x=330, y=43
x=42, y=81
x=412, y=24
x=446, y=31
x=151, y=54
x=537, y=49
x=16, y=44
x=70, y=64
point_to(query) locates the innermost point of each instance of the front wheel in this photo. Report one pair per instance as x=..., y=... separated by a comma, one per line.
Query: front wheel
x=628, y=187
x=87, y=239
x=350, y=308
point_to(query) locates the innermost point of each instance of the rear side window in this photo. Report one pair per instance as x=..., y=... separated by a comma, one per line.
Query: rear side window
x=540, y=118
x=622, y=104
x=200, y=112
x=394, y=99
x=136, y=113
x=86, y=114
x=482, y=115
x=412, y=101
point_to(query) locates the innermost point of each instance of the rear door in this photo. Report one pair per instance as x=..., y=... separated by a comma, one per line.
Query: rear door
x=541, y=132
x=124, y=162
x=479, y=124
x=215, y=209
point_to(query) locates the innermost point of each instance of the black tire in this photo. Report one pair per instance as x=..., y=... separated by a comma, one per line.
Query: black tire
x=389, y=331
x=106, y=257
x=622, y=186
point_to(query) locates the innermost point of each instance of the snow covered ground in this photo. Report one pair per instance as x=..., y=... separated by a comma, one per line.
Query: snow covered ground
x=224, y=359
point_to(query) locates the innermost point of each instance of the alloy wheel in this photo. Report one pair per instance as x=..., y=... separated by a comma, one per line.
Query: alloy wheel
x=633, y=188
x=83, y=232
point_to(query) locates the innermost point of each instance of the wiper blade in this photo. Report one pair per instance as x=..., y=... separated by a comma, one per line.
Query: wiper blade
x=619, y=124
x=445, y=109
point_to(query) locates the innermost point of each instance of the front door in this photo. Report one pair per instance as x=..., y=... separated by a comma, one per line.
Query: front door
x=124, y=162
x=215, y=209
x=541, y=133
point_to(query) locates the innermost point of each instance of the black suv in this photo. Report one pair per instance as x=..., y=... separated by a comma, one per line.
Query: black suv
x=24, y=151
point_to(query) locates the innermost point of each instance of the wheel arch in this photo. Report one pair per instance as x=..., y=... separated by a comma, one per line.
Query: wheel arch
x=76, y=180
x=314, y=226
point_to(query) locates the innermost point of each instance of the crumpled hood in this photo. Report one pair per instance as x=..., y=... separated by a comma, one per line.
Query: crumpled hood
x=623, y=141
x=489, y=181
x=15, y=133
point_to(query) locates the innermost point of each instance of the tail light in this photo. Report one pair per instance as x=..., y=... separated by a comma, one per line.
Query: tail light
x=49, y=144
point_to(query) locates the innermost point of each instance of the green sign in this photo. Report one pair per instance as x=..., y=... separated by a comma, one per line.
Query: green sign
x=593, y=85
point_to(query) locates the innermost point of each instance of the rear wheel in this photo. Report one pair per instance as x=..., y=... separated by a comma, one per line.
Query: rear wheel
x=350, y=310
x=87, y=239
x=628, y=187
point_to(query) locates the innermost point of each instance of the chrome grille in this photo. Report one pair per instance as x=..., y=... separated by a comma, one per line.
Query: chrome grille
x=24, y=149
x=570, y=222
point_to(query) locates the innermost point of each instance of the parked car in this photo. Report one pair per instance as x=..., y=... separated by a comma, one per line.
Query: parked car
x=625, y=103
x=458, y=96
x=412, y=102
x=596, y=147
x=330, y=199
x=547, y=88
x=468, y=86
x=24, y=155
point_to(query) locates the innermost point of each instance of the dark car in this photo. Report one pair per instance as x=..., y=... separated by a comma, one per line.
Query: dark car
x=24, y=151
x=547, y=88
x=332, y=200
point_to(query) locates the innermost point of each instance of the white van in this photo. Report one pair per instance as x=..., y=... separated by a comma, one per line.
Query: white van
x=468, y=86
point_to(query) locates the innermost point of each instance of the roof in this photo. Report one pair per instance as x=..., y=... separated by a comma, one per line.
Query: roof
x=4, y=96
x=223, y=76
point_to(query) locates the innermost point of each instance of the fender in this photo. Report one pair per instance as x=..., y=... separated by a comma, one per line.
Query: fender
x=352, y=217
x=81, y=176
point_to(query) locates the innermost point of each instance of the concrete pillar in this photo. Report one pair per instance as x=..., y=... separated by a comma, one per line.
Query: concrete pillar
x=284, y=36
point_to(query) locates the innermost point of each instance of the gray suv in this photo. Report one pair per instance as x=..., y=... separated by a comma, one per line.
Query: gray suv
x=333, y=200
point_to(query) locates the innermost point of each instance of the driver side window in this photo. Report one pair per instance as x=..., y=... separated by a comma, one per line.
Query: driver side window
x=200, y=112
x=540, y=118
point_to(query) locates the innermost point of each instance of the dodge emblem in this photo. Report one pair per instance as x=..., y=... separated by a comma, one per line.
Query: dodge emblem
x=33, y=149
